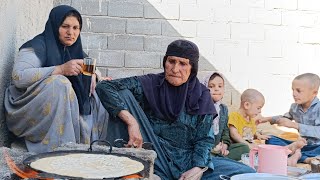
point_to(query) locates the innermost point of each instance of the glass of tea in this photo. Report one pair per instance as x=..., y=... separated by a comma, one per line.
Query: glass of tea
x=89, y=66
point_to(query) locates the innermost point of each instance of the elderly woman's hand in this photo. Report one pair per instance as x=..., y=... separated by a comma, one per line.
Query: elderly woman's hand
x=135, y=137
x=106, y=78
x=94, y=82
x=194, y=174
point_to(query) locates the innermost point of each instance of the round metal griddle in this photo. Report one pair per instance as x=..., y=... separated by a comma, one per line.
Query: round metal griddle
x=27, y=162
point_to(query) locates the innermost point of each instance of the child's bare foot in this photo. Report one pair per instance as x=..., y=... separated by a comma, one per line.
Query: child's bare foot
x=293, y=159
x=298, y=144
x=308, y=160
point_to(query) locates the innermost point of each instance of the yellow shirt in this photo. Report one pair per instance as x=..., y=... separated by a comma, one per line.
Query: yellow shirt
x=245, y=129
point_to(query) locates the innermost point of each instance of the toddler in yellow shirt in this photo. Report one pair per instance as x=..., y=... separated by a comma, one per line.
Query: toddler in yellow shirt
x=242, y=124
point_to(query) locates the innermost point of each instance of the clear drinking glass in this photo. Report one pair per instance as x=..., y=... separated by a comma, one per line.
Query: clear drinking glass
x=89, y=66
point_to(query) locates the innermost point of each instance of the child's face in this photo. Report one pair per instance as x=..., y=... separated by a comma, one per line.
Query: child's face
x=254, y=108
x=302, y=92
x=216, y=87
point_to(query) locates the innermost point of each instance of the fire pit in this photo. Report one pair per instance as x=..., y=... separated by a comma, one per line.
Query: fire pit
x=146, y=156
x=17, y=156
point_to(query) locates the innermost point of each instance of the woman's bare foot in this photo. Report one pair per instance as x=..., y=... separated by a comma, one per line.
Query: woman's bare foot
x=298, y=144
x=293, y=159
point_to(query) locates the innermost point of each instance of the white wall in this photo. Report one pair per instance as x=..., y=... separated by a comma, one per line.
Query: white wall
x=261, y=44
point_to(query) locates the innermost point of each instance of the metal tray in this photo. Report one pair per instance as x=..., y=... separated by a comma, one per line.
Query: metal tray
x=27, y=162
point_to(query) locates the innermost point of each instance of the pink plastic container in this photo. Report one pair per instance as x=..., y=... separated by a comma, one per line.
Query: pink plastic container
x=272, y=159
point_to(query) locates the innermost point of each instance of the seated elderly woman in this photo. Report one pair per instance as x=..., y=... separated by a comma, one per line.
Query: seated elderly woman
x=173, y=111
x=48, y=103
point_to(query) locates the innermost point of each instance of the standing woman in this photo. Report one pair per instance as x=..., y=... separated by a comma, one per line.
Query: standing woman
x=50, y=101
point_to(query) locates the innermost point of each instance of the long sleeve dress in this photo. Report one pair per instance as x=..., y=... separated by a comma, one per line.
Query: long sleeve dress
x=43, y=108
x=180, y=145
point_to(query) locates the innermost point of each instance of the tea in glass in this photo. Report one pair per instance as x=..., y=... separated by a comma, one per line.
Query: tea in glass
x=89, y=66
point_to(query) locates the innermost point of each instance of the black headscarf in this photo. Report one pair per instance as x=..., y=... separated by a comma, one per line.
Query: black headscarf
x=166, y=100
x=52, y=52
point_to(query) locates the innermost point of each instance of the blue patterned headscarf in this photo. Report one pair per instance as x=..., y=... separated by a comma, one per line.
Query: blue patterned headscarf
x=52, y=52
x=168, y=101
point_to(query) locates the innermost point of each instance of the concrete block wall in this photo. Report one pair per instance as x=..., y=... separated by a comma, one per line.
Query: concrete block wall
x=261, y=44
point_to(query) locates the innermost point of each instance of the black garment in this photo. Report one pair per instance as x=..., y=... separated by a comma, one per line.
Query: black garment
x=184, y=49
x=166, y=100
x=118, y=129
x=52, y=52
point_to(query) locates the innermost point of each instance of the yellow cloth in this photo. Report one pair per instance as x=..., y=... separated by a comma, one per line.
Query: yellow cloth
x=245, y=129
x=289, y=136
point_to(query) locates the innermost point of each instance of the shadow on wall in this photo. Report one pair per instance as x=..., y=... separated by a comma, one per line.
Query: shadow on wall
x=130, y=37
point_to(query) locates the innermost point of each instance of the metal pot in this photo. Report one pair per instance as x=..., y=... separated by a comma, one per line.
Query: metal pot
x=312, y=176
x=255, y=176
x=27, y=162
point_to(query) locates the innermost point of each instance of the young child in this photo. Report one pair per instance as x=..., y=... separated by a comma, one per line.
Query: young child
x=242, y=124
x=304, y=115
x=215, y=83
x=243, y=129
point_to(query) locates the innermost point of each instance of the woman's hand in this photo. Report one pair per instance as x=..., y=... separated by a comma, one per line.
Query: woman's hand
x=70, y=68
x=194, y=173
x=135, y=137
x=107, y=78
x=93, y=84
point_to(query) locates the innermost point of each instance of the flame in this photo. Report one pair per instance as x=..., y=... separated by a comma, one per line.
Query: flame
x=133, y=176
x=15, y=169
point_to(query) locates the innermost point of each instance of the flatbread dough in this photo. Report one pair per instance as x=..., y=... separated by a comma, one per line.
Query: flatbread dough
x=93, y=166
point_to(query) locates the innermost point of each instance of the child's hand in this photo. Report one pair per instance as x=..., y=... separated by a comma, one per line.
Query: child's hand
x=262, y=137
x=260, y=119
x=217, y=148
x=287, y=123
x=263, y=120
x=252, y=145
x=224, y=149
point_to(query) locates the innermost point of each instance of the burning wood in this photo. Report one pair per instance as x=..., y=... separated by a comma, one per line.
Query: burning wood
x=11, y=161
x=28, y=173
